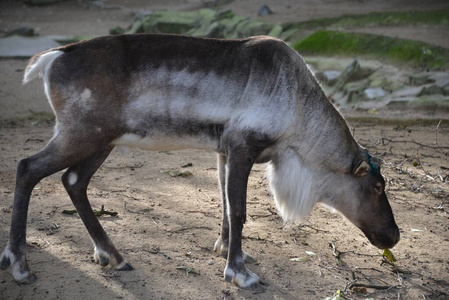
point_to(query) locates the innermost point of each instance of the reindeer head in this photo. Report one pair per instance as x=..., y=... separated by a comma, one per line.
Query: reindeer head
x=360, y=196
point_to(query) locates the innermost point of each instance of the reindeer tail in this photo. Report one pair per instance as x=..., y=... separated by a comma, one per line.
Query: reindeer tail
x=40, y=64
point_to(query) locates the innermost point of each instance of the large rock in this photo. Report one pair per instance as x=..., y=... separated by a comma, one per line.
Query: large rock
x=252, y=27
x=171, y=22
x=446, y=90
x=204, y=22
x=408, y=92
x=18, y=46
x=354, y=91
x=419, y=79
x=374, y=93
x=431, y=89
x=440, y=78
x=353, y=72
x=387, y=86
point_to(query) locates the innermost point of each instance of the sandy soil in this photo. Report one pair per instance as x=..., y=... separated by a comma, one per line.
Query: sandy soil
x=164, y=223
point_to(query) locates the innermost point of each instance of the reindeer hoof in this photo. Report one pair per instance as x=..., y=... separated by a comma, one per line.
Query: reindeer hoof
x=5, y=262
x=248, y=259
x=25, y=277
x=218, y=246
x=260, y=286
x=220, y=249
x=101, y=260
x=245, y=279
x=101, y=257
x=20, y=271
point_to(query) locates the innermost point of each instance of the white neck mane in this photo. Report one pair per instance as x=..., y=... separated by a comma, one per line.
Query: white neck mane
x=292, y=186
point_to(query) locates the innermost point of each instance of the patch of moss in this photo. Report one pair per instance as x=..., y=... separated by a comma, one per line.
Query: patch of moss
x=373, y=46
x=72, y=39
x=430, y=101
x=377, y=19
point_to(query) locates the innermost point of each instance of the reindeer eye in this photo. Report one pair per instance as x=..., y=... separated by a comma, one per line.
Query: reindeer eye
x=378, y=187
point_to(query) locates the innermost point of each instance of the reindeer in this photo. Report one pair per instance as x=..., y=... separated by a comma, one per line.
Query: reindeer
x=251, y=100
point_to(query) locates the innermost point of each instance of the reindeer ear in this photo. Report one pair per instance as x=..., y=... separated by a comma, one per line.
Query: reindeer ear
x=362, y=169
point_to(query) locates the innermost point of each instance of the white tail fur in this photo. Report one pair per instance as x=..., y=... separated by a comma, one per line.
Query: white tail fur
x=41, y=65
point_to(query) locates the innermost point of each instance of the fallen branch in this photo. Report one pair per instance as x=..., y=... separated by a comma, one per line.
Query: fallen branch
x=102, y=211
x=335, y=252
x=311, y=227
x=98, y=213
x=188, y=228
x=395, y=268
x=270, y=210
x=113, y=275
x=372, y=286
x=360, y=254
x=385, y=141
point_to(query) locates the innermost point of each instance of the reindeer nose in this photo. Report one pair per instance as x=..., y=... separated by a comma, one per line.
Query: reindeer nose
x=393, y=238
x=397, y=236
x=386, y=238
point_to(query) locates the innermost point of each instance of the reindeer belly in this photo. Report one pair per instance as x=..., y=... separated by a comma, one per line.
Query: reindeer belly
x=164, y=142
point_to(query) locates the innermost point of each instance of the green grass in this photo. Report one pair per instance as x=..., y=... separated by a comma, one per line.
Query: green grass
x=331, y=43
x=377, y=19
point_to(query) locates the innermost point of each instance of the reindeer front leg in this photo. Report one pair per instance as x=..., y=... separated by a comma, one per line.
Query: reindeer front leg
x=239, y=164
x=221, y=246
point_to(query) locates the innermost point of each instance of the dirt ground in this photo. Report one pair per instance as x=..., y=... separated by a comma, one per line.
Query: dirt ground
x=166, y=225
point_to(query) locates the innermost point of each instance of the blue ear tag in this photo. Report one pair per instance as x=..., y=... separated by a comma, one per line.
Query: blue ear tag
x=374, y=164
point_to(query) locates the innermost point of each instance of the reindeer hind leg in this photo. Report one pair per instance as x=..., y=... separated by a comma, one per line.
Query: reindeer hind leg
x=61, y=152
x=75, y=180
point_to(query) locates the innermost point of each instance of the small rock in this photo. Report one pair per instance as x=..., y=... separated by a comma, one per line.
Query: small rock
x=264, y=10
x=408, y=92
x=331, y=77
x=431, y=90
x=176, y=173
x=353, y=72
x=419, y=79
x=374, y=93
x=116, y=30
x=354, y=96
x=22, y=31
x=446, y=90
